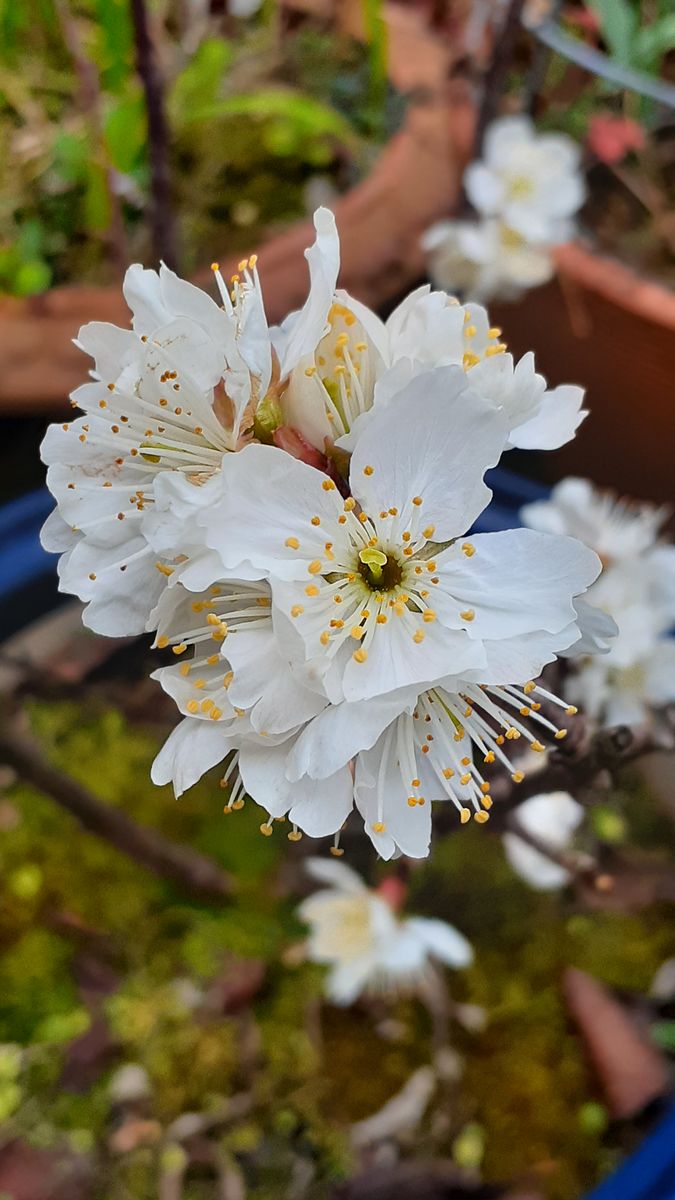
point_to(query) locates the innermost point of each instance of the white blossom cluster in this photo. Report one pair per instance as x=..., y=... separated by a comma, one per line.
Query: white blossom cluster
x=525, y=190
x=288, y=510
x=636, y=588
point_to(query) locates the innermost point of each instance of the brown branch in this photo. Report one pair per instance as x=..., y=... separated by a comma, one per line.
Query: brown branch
x=189, y=870
x=575, y=765
x=494, y=80
x=163, y=228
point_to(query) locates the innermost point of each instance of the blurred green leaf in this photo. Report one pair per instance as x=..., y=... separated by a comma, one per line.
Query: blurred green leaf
x=125, y=133
x=31, y=278
x=114, y=56
x=652, y=42
x=619, y=22
x=62, y=1027
x=305, y=116
x=663, y=1033
x=96, y=200
x=195, y=91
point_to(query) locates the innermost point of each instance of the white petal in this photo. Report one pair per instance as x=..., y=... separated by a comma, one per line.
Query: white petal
x=309, y=325
x=484, y=189
x=406, y=829
x=335, y=873
x=435, y=440
x=190, y=750
x=532, y=866
x=267, y=497
x=517, y=581
x=442, y=940
x=143, y=295
x=347, y=980
x=341, y=730
x=559, y=416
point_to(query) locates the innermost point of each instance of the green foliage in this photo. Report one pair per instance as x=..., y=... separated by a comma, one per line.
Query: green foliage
x=636, y=45
x=170, y=956
x=246, y=134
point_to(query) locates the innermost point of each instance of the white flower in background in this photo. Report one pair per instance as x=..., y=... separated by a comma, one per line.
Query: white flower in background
x=367, y=946
x=173, y=394
x=636, y=588
x=485, y=259
x=554, y=818
x=530, y=180
x=243, y=8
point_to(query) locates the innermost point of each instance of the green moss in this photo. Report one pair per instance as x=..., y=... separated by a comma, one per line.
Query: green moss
x=526, y=1097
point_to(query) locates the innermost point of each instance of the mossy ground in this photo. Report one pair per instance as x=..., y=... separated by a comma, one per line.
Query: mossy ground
x=525, y=1100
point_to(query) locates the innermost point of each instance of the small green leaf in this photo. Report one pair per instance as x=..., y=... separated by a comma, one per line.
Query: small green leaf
x=663, y=1033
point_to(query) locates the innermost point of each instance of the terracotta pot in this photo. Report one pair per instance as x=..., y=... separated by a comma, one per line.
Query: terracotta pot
x=414, y=181
x=601, y=325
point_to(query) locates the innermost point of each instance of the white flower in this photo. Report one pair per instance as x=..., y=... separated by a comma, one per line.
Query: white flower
x=636, y=588
x=554, y=818
x=485, y=259
x=362, y=362
x=172, y=395
x=367, y=946
x=379, y=592
x=407, y=629
x=531, y=181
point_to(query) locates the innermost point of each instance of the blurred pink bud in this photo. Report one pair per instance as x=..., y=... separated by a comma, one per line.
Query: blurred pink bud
x=611, y=138
x=393, y=890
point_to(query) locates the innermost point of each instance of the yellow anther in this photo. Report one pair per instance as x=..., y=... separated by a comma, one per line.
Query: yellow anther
x=468, y=614
x=325, y=638
x=428, y=615
x=292, y=543
x=368, y=470
x=486, y=801
x=297, y=610
x=379, y=827
x=328, y=485
x=489, y=757
x=349, y=504
x=381, y=619
x=294, y=836
x=227, y=679
x=448, y=773
x=311, y=590
x=468, y=549
x=562, y=733
x=336, y=851
x=314, y=567
x=163, y=569
x=464, y=779
x=238, y=804
x=192, y=706
x=469, y=360
x=309, y=371
x=465, y=761
x=180, y=648
x=207, y=704
x=481, y=818
x=212, y=619
x=470, y=331
x=485, y=787
x=316, y=521
x=185, y=669
x=216, y=713
x=529, y=688
x=494, y=332
x=417, y=500
x=213, y=659
x=571, y=710
x=431, y=566
x=418, y=636
x=266, y=829
x=464, y=815
x=357, y=632
x=512, y=734
x=428, y=531
x=518, y=776
x=525, y=712
x=360, y=655
x=538, y=747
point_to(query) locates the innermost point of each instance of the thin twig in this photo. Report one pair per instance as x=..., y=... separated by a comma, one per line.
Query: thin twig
x=163, y=228
x=191, y=871
x=494, y=80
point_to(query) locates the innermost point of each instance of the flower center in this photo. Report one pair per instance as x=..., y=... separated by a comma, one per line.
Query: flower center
x=520, y=187
x=380, y=572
